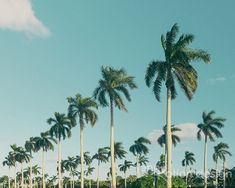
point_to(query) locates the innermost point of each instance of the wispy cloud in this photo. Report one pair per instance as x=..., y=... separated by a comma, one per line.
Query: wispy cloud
x=188, y=131
x=217, y=79
x=18, y=15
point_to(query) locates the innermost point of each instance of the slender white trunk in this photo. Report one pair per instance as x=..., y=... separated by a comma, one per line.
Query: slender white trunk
x=165, y=159
x=43, y=170
x=30, y=174
x=9, y=178
x=205, y=163
x=113, y=169
x=216, y=173
x=73, y=181
x=81, y=154
x=59, y=163
x=22, y=176
x=98, y=174
x=125, y=179
x=169, y=140
x=15, y=175
x=137, y=166
x=89, y=183
x=186, y=176
x=224, y=174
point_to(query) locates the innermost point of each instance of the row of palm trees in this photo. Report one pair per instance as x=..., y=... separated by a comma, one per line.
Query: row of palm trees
x=115, y=85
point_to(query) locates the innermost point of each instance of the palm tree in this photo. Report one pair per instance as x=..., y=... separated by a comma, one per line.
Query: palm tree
x=175, y=139
x=188, y=160
x=12, y=155
x=176, y=66
x=119, y=151
x=71, y=164
x=139, y=148
x=61, y=128
x=30, y=146
x=142, y=161
x=114, y=82
x=44, y=143
x=88, y=172
x=124, y=167
x=210, y=130
x=220, y=152
x=22, y=156
x=102, y=157
x=8, y=162
x=161, y=164
x=82, y=108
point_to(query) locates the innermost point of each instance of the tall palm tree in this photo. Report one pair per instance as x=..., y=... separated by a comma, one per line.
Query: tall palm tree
x=188, y=160
x=119, y=151
x=220, y=152
x=209, y=128
x=9, y=163
x=44, y=143
x=113, y=84
x=175, y=139
x=83, y=109
x=176, y=66
x=139, y=148
x=88, y=172
x=61, y=128
x=22, y=156
x=124, y=167
x=30, y=146
x=102, y=157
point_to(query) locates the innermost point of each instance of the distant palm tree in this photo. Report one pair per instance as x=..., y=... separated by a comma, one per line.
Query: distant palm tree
x=102, y=157
x=88, y=172
x=176, y=66
x=82, y=108
x=44, y=143
x=124, y=167
x=161, y=164
x=188, y=160
x=139, y=148
x=114, y=82
x=22, y=156
x=143, y=161
x=119, y=151
x=220, y=152
x=9, y=163
x=61, y=128
x=12, y=155
x=210, y=130
x=71, y=165
x=30, y=146
x=175, y=139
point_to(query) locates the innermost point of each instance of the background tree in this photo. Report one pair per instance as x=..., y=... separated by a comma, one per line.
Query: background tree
x=114, y=82
x=139, y=148
x=82, y=108
x=61, y=128
x=9, y=163
x=102, y=157
x=188, y=160
x=176, y=66
x=210, y=130
x=124, y=167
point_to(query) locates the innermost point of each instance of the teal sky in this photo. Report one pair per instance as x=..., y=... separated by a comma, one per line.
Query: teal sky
x=38, y=73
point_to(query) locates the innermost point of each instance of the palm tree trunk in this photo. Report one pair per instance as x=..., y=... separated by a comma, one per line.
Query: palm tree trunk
x=216, y=174
x=15, y=175
x=224, y=175
x=186, y=176
x=169, y=140
x=43, y=170
x=30, y=174
x=9, y=178
x=165, y=158
x=125, y=179
x=112, y=145
x=81, y=153
x=137, y=166
x=22, y=176
x=73, y=181
x=205, y=163
x=89, y=183
x=98, y=174
x=59, y=163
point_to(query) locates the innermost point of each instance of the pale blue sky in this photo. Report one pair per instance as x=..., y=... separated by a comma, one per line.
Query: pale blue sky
x=38, y=73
